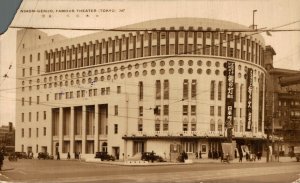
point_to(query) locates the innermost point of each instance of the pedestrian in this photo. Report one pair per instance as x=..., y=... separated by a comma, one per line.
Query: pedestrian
x=196, y=155
x=241, y=157
x=200, y=155
x=1, y=159
x=58, y=156
x=69, y=156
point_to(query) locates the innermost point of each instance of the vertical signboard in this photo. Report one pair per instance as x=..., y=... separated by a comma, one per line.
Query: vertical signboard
x=249, y=100
x=230, y=92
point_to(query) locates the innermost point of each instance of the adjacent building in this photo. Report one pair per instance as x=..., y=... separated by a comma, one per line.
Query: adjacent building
x=282, y=105
x=165, y=85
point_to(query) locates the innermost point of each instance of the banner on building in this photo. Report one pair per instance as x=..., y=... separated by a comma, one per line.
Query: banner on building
x=249, y=100
x=230, y=92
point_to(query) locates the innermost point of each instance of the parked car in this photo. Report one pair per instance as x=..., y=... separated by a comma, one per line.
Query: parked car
x=12, y=157
x=44, y=155
x=150, y=156
x=104, y=156
x=297, y=153
x=21, y=155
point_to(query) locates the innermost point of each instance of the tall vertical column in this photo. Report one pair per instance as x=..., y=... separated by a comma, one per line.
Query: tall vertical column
x=72, y=131
x=96, y=129
x=83, y=129
x=60, y=130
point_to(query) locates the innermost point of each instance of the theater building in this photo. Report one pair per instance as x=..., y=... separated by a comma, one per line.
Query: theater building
x=165, y=85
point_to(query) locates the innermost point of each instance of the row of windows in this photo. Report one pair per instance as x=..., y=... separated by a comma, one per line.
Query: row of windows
x=285, y=103
x=122, y=49
x=30, y=116
x=29, y=132
x=130, y=66
x=31, y=58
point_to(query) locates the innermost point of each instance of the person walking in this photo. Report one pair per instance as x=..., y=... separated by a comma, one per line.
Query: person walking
x=200, y=155
x=241, y=157
x=1, y=159
x=69, y=156
x=58, y=156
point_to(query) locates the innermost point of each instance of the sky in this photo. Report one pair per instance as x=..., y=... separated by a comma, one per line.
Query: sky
x=270, y=14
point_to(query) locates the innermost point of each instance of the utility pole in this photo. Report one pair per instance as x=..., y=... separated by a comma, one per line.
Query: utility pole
x=253, y=25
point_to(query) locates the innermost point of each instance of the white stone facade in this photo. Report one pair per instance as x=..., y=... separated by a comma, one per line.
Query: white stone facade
x=98, y=92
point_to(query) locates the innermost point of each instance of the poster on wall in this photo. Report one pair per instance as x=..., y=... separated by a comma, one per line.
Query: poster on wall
x=230, y=92
x=249, y=100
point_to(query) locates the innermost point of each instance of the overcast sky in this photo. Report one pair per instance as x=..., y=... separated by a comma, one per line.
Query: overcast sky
x=270, y=13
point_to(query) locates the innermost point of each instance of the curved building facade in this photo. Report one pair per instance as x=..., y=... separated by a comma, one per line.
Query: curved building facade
x=164, y=85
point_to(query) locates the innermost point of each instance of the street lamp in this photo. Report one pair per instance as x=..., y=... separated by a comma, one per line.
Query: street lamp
x=253, y=13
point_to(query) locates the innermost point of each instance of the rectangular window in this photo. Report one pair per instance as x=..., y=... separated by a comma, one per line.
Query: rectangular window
x=220, y=90
x=141, y=111
x=118, y=89
x=185, y=109
x=193, y=127
x=71, y=94
x=141, y=90
x=29, y=100
x=107, y=90
x=78, y=94
x=90, y=92
x=166, y=89
x=45, y=131
x=165, y=126
x=212, y=90
x=185, y=89
x=157, y=126
x=45, y=115
x=194, y=89
x=22, y=132
x=22, y=117
x=38, y=69
x=82, y=93
x=23, y=60
x=184, y=127
x=158, y=89
x=212, y=110
x=37, y=116
x=158, y=110
x=38, y=57
x=140, y=125
x=102, y=91
x=47, y=97
x=23, y=72
x=116, y=110
x=38, y=100
x=116, y=128
x=193, y=110
x=37, y=132
x=219, y=110
x=29, y=117
x=23, y=101
x=29, y=132
x=166, y=110
x=30, y=71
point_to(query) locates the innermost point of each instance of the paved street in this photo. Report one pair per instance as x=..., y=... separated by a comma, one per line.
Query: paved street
x=75, y=171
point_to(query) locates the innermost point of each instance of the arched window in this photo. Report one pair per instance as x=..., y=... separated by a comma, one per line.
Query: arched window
x=104, y=147
x=212, y=125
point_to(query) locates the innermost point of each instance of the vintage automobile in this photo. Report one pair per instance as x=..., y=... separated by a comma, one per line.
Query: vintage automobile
x=104, y=156
x=44, y=155
x=21, y=155
x=150, y=156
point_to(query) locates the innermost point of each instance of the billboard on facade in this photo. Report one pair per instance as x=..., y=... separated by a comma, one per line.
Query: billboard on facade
x=249, y=100
x=230, y=92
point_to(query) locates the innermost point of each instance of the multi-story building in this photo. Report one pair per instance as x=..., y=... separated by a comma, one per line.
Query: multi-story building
x=282, y=105
x=159, y=85
x=7, y=137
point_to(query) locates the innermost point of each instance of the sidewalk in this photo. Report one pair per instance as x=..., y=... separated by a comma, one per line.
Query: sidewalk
x=262, y=160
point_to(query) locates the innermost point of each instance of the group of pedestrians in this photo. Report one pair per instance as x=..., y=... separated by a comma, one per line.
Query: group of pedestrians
x=198, y=155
